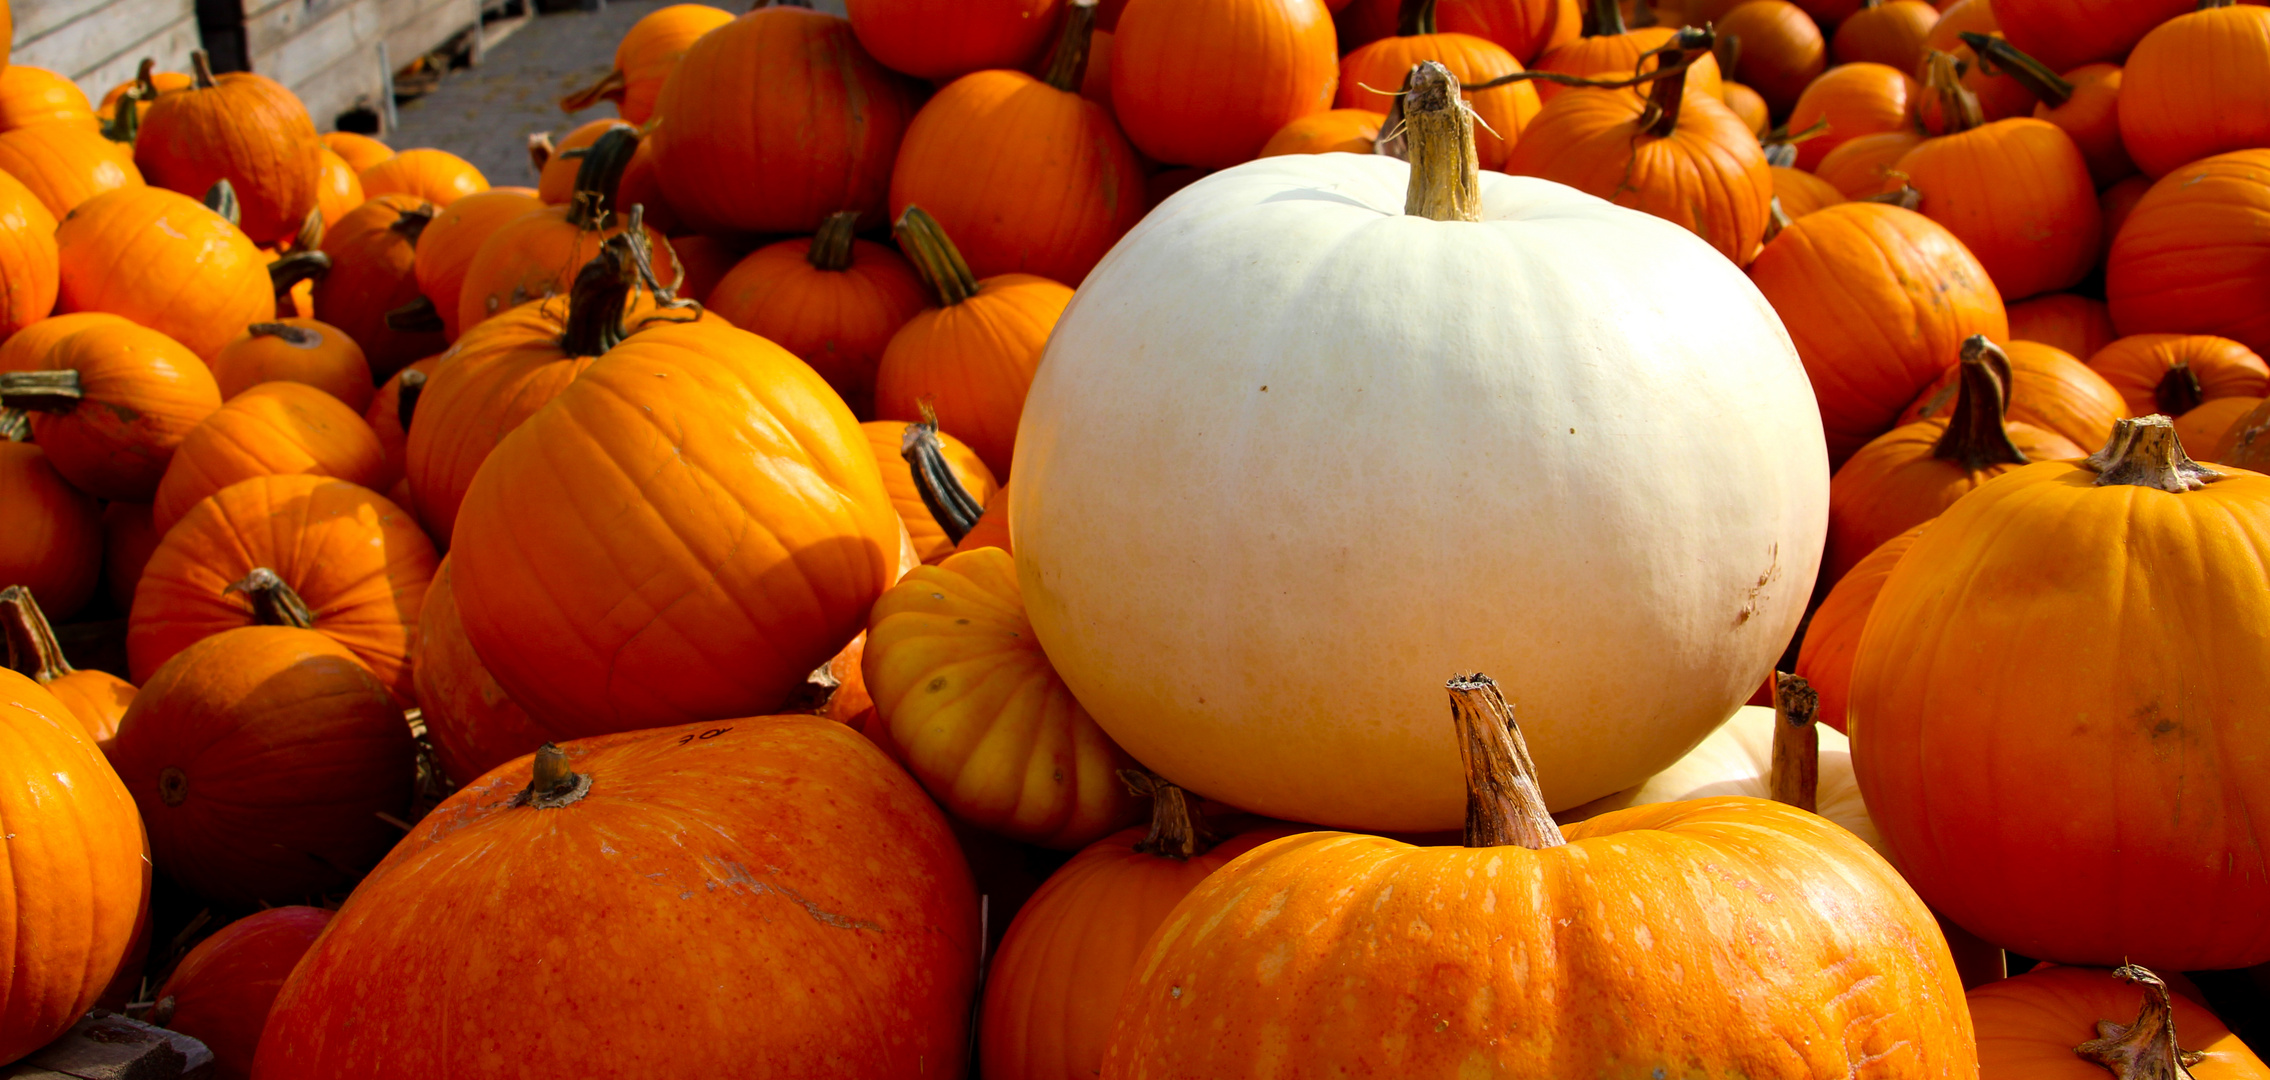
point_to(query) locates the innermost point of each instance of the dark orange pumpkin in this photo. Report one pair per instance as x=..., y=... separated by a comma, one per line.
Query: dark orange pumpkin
x=704, y=261
x=28, y=261
x=1207, y=82
x=2078, y=1023
x=2076, y=324
x=110, y=405
x=53, y=543
x=2065, y=34
x=833, y=300
x=435, y=176
x=539, y=253
x=128, y=538
x=1524, y=28
x=2049, y=389
x=1868, y=165
x=1371, y=74
x=1832, y=635
x=1853, y=100
x=273, y=429
x=2192, y=256
x=65, y=164
x=446, y=248
x=649, y=52
x=942, y=40
x=473, y=724
x=240, y=127
x=1778, y=51
x=295, y=350
x=220, y=993
x=373, y=272
x=166, y=262
x=2176, y=373
x=264, y=760
x=98, y=698
x=1888, y=32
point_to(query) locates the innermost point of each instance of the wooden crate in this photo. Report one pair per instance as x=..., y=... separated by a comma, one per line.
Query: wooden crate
x=98, y=43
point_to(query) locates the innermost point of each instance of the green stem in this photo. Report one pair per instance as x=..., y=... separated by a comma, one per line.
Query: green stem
x=295, y=268
x=1416, y=17
x=41, y=391
x=1069, y=65
x=596, y=180
x=950, y=504
x=831, y=246
x=2035, y=76
x=293, y=335
x=934, y=255
x=221, y=199
x=1606, y=19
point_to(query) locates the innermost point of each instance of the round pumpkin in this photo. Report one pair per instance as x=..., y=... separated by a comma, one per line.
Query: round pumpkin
x=65, y=165
x=2196, y=86
x=391, y=410
x=538, y=254
x=304, y=351
x=1888, y=32
x=1832, y=635
x=1207, y=82
x=53, y=543
x=1748, y=105
x=1215, y=673
x=833, y=300
x=473, y=724
x=1867, y=166
x=1853, y=100
x=860, y=952
x=1781, y=51
x=2070, y=686
x=2049, y=389
x=445, y=250
x=359, y=151
x=1525, y=28
x=273, y=429
x=2065, y=34
x=2213, y=424
x=27, y=349
x=111, y=405
x=350, y=564
x=1609, y=50
x=2176, y=373
x=424, y=175
x=2190, y=257
x=1353, y=131
x=97, y=698
x=886, y=438
x=337, y=189
x=32, y=96
x=1371, y=74
x=128, y=538
x=944, y=41
x=649, y=52
x=240, y=127
x=220, y=992
x=78, y=872
x=2075, y=324
x=262, y=759
x=28, y=266
x=373, y=254
x=1801, y=192
x=2076, y=1023
x=163, y=260
x=740, y=532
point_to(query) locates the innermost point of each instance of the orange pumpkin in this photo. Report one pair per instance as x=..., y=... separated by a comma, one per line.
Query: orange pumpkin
x=2176, y=373
x=1909, y=474
x=1853, y=100
x=240, y=127
x=973, y=357
x=263, y=759
x=2049, y=389
x=219, y=994
x=473, y=724
x=31, y=96
x=2196, y=86
x=1207, y=82
x=537, y=254
x=339, y=558
x=295, y=350
x=1776, y=50
x=2065, y=34
x=946, y=41
x=27, y=349
x=166, y=262
x=649, y=52
x=78, y=873
x=833, y=300
x=2074, y=1023
x=2213, y=424
x=1608, y=50
x=555, y=182
x=1868, y=165
x=359, y=151
x=1524, y=28
x=391, y=409
x=776, y=120
x=1801, y=192
x=435, y=176
x=2117, y=202
x=28, y=261
x=65, y=164
x=337, y=189
x=128, y=538
x=53, y=543
x=2085, y=102
x=97, y=698
x=1832, y=635
x=273, y=429
x=373, y=253
x=2191, y=257
x=1352, y=131
x=888, y=439
x=1372, y=73
x=2076, y=324
x=110, y=405
x=1748, y=105
x=446, y=248
x=992, y=528
x=1889, y=32
x=729, y=558
x=860, y=953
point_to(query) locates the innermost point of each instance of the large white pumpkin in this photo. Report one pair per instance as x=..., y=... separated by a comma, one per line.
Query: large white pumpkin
x=1293, y=458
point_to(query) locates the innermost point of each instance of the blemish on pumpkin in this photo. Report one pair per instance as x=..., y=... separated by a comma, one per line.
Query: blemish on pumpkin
x=936, y=684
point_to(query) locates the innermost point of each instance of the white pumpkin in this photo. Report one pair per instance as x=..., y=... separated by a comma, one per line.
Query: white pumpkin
x=1294, y=457
x=1737, y=759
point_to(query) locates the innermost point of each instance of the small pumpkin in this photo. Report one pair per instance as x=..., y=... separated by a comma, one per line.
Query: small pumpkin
x=1610, y=49
x=2065, y=1023
x=1352, y=131
x=1372, y=73
x=264, y=760
x=1852, y=100
x=424, y=175
x=53, y=544
x=1748, y=105
x=2196, y=86
x=164, y=261
x=446, y=248
x=1832, y=636
x=2084, y=101
x=2078, y=325
x=2176, y=373
x=1778, y=51
x=538, y=254
x=110, y=405
x=2048, y=389
x=1888, y=32
x=2191, y=258
x=273, y=429
x=833, y=300
x=28, y=259
x=31, y=96
x=473, y=724
x=220, y=992
x=240, y=127
x=373, y=254
x=1800, y=192
x=295, y=350
x=555, y=182
x=27, y=349
x=65, y=164
x=97, y=698
x=359, y=151
x=891, y=441
x=649, y=52
x=391, y=410
x=1867, y=167
x=943, y=42
x=1207, y=82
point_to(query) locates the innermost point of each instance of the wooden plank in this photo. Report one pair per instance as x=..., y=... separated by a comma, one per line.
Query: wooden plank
x=170, y=47
x=353, y=81
x=99, y=34
x=304, y=56
x=424, y=30
x=36, y=17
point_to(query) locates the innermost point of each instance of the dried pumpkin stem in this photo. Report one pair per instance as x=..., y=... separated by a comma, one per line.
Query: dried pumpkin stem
x=419, y=316
x=597, y=180
x=598, y=299
x=406, y=399
x=2144, y=452
x=540, y=150
x=1946, y=99
x=1438, y=130
x=412, y=223
x=1669, y=95
x=1905, y=197
x=1415, y=17
x=1069, y=64
x=2035, y=76
x=1605, y=18
x=1503, y=803
x=295, y=268
x=2145, y=1049
x=14, y=425
x=274, y=603
x=2179, y=391
x=831, y=246
x=41, y=391
x=221, y=199
x=1178, y=830
x=1796, y=776
x=145, y=80
x=551, y=784
x=299, y=336
x=125, y=122
x=950, y=504
x=201, y=68
x=1978, y=434
x=941, y=264
x=610, y=87
x=32, y=647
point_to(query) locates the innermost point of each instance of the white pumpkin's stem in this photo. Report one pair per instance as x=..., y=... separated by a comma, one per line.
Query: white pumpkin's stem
x=551, y=784
x=1178, y=830
x=1504, y=806
x=32, y=648
x=1978, y=435
x=1796, y=775
x=1438, y=129
x=2145, y=1049
x=2144, y=452
x=274, y=602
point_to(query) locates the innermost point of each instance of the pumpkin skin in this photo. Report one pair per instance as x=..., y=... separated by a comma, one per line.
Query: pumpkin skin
x=1525, y=28
x=1895, y=271
x=261, y=758
x=944, y=41
x=713, y=588
x=162, y=260
x=776, y=120
x=143, y=392
x=31, y=96
x=1890, y=32
x=861, y=952
x=537, y=254
x=240, y=127
x=648, y=53
x=435, y=176
x=359, y=151
x=2029, y=1025
x=473, y=724
x=2152, y=372
x=2196, y=86
x=1856, y=100
x=1371, y=73
x=357, y=560
x=930, y=542
x=97, y=698
x=1748, y=105
x=2068, y=655
x=385, y=416
x=27, y=349
x=837, y=319
x=78, y=870
x=1352, y=131
x=2077, y=325
x=53, y=543
x=28, y=261
x=992, y=528
x=1801, y=192
x=2092, y=117
x=2214, y=423
x=221, y=991
x=1782, y=52
x=2191, y=257
x=273, y=429
x=128, y=538
x=337, y=189
x=2065, y=34
x=446, y=248
x=1864, y=166
x=296, y=350
x=2035, y=236
x=1185, y=703
x=1207, y=82
x=2049, y=389
x=1832, y=638
x=65, y=164
x=373, y=271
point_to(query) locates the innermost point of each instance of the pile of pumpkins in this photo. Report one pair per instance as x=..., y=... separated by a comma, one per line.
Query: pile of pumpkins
x=1196, y=538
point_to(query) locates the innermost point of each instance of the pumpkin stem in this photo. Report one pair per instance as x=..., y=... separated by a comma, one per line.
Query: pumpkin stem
x=406, y=397
x=1438, y=132
x=596, y=180
x=1978, y=435
x=310, y=234
x=597, y=300
x=1605, y=18
x=297, y=267
x=1178, y=830
x=221, y=199
x=2145, y=1049
x=145, y=80
x=41, y=391
x=1416, y=17
x=1948, y=107
x=551, y=784
x=1777, y=219
x=1728, y=52
x=950, y=504
x=1503, y=804
x=274, y=603
x=2179, y=391
x=1665, y=100
x=201, y=67
x=2144, y=452
x=934, y=254
x=2035, y=76
x=15, y=426
x=1796, y=776
x=2210, y=5
x=1069, y=65
x=419, y=316
x=125, y=117
x=1905, y=197
x=831, y=246
x=32, y=648
x=299, y=336
x=540, y=150
x=412, y=223
x=610, y=87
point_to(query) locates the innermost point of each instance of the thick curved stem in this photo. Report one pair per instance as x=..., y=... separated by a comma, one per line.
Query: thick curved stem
x=2035, y=76
x=1978, y=433
x=1178, y=830
x=32, y=647
x=201, y=70
x=1796, y=776
x=2144, y=452
x=1948, y=107
x=14, y=425
x=1438, y=133
x=412, y=223
x=2145, y=1049
x=598, y=299
x=926, y=245
x=1668, y=95
x=1068, y=65
x=831, y=246
x=41, y=391
x=610, y=87
x=601, y=174
x=552, y=784
x=950, y=504
x=295, y=268
x=2179, y=391
x=274, y=603
x=299, y=336
x=1504, y=806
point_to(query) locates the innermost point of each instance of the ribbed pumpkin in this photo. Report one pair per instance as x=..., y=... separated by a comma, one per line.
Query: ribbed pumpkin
x=1684, y=157
x=860, y=953
x=163, y=260
x=97, y=698
x=446, y=248
x=1207, y=82
x=2212, y=425
x=2065, y=34
x=128, y=538
x=1888, y=32
x=726, y=533
x=943, y=41
x=295, y=350
x=2084, y=101
x=2192, y=256
x=373, y=255
x=78, y=872
x=240, y=127
x=1778, y=49
x=337, y=189
x=262, y=758
x=2196, y=86
x=27, y=349
x=1832, y=636
x=435, y=176
x=2076, y=324
x=1913, y=287
x=273, y=429
x=1057, y=977
x=1371, y=73
x=53, y=543
x=888, y=440
x=340, y=558
x=1607, y=50
x=473, y=724
x=1854, y=100
x=220, y=993
x=973, y=357
x=28, y=265
x=1909, y=474
x=776, y=120
x=1801, y=192
x=833, y=300
x=2078, y=1023
x=1867, y=166
x=2176, y=373
x=2112, y=674
x=31, y=96
x=2049, y=389
x=649, y=52
x=359, y=151
x=1525, y=28
x=110, y=404
x=1251, y=973
x=539, y=253
x=1351, y=131
x=391, y=409
x=555, y=182
x=65, y=164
